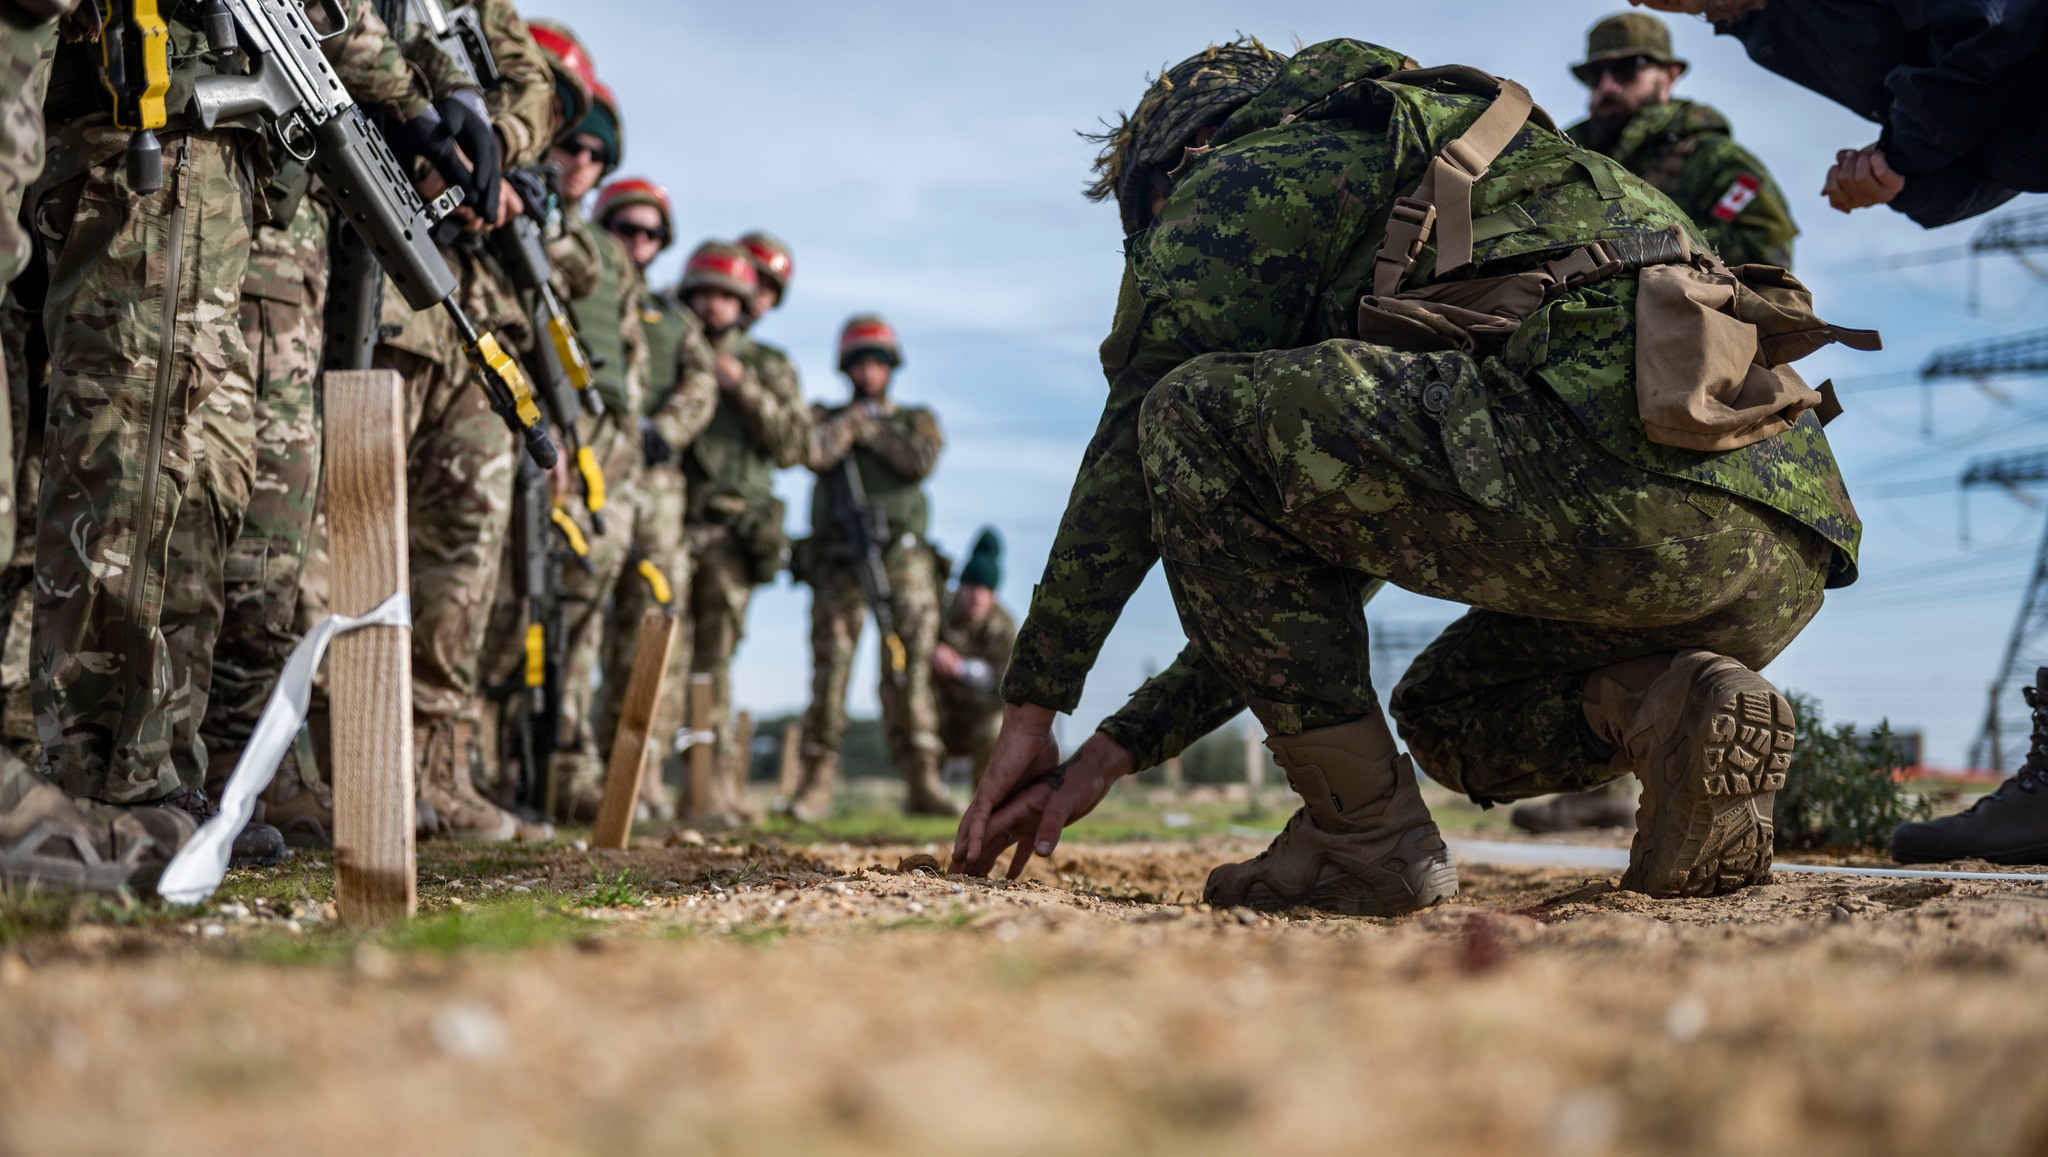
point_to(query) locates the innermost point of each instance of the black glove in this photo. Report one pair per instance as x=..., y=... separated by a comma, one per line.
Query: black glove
x=426, y=135
x=534, y=194
x=653, y=447
x=469, y=125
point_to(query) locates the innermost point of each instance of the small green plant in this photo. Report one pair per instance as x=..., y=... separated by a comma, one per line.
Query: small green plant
x=620, y=890
x=1841, y=793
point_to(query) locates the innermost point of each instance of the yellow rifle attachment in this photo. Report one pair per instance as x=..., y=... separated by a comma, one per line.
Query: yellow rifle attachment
x=898, y=658
x=536, y=655
x=593, y=479
x=500, y=363
x=135, y=109
x=575, y=362
x=657, y=583
x=570, y=531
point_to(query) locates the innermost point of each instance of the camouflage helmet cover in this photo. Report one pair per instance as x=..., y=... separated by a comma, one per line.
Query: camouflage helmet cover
x=635, y=191
x=772, y=260
x=574, y=74
x=1200, y=91
x=716, y=265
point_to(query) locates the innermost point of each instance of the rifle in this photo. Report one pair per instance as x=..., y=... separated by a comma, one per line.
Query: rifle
x=545, y=540
x=558, y=361
x=290, y=83
x=135, y=66
x=867, y=530
x=459, y=35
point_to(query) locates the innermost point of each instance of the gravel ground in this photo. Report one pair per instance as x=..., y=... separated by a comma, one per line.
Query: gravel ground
x=788, y=997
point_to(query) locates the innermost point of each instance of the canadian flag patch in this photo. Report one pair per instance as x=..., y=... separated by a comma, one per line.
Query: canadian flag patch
x=1737, y=198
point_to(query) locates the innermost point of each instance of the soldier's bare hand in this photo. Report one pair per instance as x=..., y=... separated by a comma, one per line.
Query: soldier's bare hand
x=945, y=662
x=1862, y=178
x=728, y=370
x=1024, y=751
x=1034, y=817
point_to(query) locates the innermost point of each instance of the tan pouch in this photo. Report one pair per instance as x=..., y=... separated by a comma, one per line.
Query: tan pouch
x=1712, y=347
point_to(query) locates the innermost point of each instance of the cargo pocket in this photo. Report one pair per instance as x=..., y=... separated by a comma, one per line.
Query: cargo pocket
x=245, y=580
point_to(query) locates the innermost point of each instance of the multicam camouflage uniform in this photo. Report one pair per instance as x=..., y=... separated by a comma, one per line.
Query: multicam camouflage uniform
x=1686, y=151
x=895, y=449
x=1282, y=482
x=282, y=299
x=970, y=716
x=681, y=397
x=147, y=463
x=734, y=521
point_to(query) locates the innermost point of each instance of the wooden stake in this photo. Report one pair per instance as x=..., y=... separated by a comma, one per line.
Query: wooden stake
x=703, y=753
x=369, y=671
x=631, y=749
x=742, y=765
x=792, y=769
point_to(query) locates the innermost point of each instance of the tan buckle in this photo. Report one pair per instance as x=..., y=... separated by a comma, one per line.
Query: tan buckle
x=1408, y=227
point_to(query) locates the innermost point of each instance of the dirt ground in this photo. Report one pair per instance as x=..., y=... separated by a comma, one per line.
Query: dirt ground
x=800, y=992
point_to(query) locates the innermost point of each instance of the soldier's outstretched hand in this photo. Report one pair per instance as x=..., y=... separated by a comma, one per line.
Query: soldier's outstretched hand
x=1862, y=178
x=1031, y=807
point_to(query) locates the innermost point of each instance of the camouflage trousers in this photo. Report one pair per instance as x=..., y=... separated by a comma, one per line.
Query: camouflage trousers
x=715, y=620
x=839, y=611
x=282, y=299
x=968, y=726
x=147, y=461
x=1283, y=483
x=658, y=507
x=585, y=593
x=24, y=74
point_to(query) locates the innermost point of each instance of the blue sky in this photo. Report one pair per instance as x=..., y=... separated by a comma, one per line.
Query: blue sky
x=921, y=159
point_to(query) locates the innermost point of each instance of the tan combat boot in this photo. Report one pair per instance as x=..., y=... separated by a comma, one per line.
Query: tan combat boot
x=812, y=802
x=1362, y=843
x=461, y=813
x=1710, y=740
x=299, y=805
x=49, y=841
x=927, y=794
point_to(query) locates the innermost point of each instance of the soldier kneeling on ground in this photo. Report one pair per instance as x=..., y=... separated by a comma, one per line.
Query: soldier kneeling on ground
x=1382, y=322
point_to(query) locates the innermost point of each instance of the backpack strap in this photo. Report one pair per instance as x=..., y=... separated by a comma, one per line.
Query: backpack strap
x=1442, y=203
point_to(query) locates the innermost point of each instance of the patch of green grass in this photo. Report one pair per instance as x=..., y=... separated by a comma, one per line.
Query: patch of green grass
x=622, y=889
x=499, y=926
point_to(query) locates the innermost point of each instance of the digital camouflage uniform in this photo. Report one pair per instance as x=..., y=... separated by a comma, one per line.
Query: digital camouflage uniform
x=733, y=526
x=148, y=458
x=971, y=717
x=603, y=290
x=895, y=452
x=282, y=299
x=1686, y=151
x=681, y=397
x=1287, y=465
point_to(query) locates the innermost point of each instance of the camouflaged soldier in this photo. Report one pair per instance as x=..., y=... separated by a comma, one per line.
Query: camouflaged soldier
x=733, y=521
x=1683, y=148
x=976, y=635
x=1424, y=370
x=147, y=462
x=893, y=449
x=639, y=215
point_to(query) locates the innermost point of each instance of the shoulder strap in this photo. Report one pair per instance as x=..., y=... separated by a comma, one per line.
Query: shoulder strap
x=1443, y=201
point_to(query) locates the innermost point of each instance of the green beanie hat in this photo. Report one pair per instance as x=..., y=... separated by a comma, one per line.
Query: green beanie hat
x=603, y=125
x=985, y=562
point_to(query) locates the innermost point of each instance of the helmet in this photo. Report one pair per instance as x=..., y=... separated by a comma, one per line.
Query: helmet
x=867, y=333
x=605, y=123
x=716, y=265
x=574, y=74
x=1201, y=91
x=771, y=260
x=635, y=191
x=1623, y=35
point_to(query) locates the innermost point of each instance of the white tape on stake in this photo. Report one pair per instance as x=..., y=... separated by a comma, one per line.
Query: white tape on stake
x=1510, y=855
x=197, y=869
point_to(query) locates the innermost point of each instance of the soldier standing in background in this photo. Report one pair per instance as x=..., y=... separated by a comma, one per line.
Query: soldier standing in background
x=1682, y=147
x=893, y=450
x=639, y=214
x=976, y=636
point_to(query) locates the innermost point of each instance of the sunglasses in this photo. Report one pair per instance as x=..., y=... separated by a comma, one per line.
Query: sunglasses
x=1622, y=70
x=631, y=232
x=596, y=152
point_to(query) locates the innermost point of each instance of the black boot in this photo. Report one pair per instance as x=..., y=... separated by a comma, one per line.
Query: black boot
x=2009, y=826
x=257, y=845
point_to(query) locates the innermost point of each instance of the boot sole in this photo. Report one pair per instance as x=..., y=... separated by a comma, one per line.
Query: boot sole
x=1705, y=824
